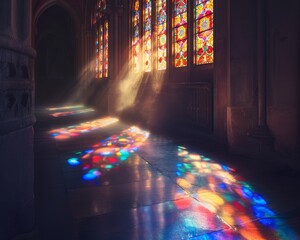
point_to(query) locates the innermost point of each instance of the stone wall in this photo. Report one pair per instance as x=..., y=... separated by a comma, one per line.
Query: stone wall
x=16, y=118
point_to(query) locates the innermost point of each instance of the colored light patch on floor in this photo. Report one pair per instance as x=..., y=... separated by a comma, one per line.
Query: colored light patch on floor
x=73, y=112
x=221, y=191
x=76, y=130
x=109, y=153
x=67, y=107
x=186, y=219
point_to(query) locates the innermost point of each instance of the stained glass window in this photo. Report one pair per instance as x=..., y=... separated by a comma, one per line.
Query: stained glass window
x=105, y=51
x=203, y=37
x=97, y=54
x=180, y=32
x=161, y=13
x=147, y=35
x=100, y=46
x=101, y=41
x=101, y=5
x=136, y=36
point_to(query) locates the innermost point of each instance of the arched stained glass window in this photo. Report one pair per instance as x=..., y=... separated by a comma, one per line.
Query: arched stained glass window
x=161, y=12
x=101, y=40
x=180, y=32
x=136, y=36
x=147, y=35
x=203, y=34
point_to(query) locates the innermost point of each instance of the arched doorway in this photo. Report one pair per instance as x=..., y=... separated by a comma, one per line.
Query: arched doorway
x=56, y=54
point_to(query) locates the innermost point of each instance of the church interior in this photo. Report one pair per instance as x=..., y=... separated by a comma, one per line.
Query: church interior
x=149, y=119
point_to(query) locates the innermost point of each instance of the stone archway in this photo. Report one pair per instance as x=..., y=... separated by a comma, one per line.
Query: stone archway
x=56, y=55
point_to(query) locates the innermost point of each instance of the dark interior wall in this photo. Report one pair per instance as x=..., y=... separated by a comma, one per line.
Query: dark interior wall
x=55, y=63
x=280, y=73
x=283, y=73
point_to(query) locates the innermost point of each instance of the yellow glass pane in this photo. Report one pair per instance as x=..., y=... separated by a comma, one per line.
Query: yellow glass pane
x=181, y=53
x=180, y=19
x=204, y=48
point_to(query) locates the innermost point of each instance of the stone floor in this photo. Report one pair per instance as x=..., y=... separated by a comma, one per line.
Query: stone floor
x=109, y=180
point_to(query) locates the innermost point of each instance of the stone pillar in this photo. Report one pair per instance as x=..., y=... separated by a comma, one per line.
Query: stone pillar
x=5, y=17
x=23, y=26
x=116, y=60
x=297, y=154
x=240, y=74
x=221, y=68
x=261, y=133
x=16, y=119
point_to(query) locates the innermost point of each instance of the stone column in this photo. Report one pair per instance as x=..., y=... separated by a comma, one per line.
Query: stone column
x=261, y=133
x=221, y=68
x=116, y=53
x=5, y=17
x=16, y=119
x=297, y=155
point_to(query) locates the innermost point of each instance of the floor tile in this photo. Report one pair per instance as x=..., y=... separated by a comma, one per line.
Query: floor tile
x=180, y=219
x=98, y=200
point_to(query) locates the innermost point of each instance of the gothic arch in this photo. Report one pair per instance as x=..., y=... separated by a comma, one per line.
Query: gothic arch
x=56, y=42
x=41, y=8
